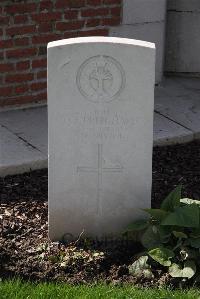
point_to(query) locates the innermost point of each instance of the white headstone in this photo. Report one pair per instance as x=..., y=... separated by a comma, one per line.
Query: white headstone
x=100, y=111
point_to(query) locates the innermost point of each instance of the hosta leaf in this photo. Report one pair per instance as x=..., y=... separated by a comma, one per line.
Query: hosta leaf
x=172, y=200
x=179, y=235
x=188, y=271
x=195, y=233
x=157, y=214
x=137, y=225
x=151, y=238
x=140, y=267
x=162, y=256
x=165, y=233
x=189, y=201
x=187, y=216
x=194, y=242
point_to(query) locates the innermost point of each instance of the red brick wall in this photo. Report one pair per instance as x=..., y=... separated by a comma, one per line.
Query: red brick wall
x=25, y=29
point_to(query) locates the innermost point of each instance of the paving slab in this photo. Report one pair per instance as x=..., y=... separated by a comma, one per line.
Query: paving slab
x=192, y=84
x=16, y=156
x=174, y=87
x=23, y=133
x=181, y=104
x=167, y=132
x=28, y=124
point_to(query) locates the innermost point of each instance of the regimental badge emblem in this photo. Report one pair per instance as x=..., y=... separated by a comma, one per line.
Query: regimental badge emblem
x=101, y=79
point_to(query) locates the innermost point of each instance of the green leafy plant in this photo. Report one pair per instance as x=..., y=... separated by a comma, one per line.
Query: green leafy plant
x=171, y=237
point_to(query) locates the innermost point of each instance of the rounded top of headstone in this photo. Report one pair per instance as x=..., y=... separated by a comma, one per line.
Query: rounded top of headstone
x=101, y=39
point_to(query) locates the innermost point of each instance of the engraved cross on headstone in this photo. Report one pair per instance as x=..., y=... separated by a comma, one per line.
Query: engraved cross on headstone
x=99, y=170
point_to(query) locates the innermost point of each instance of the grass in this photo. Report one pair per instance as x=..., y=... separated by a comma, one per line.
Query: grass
x=16, y=289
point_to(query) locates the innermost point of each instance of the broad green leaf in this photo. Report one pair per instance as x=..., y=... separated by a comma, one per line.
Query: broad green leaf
x=179, y=244
x=188, y=271
x=172, y=200
x=186, y=216
x=194, y=242
x=162, y=255
x=195, y=233
x=164, y=233
x=186, y=242
x=140, y=267
x=157, y=214
x=189, y=201
x=137, y=225
x=179, y=235
x=151, y=238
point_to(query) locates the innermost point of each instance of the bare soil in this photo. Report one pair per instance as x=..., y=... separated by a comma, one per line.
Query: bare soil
x=26, y=251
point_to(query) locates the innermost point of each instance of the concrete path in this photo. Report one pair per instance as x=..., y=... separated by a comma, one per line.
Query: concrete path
x=23, y=133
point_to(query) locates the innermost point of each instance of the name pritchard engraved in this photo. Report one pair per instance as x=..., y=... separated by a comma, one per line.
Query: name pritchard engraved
x=101, y=124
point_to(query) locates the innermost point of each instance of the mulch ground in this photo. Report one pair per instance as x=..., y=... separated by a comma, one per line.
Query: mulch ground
x=26, y=252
